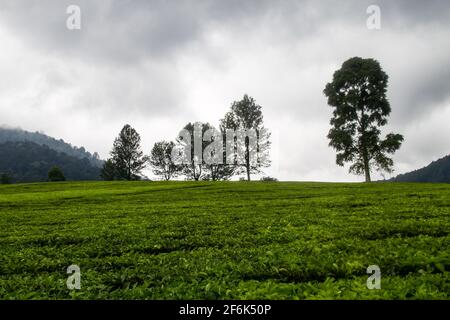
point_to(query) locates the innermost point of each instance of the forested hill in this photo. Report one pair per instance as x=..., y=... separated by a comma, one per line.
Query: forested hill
x=15, y=135
x=25, y=161
x=437, y=171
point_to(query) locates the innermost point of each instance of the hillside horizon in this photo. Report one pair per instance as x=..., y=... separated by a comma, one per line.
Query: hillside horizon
x=437, y=171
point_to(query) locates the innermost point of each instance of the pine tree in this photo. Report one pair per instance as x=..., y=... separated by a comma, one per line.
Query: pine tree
x=247, y=115
x=127, y=156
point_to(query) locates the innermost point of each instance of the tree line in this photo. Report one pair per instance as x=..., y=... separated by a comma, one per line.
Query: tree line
x=27, y=161
x=357, y=94
x=127, y=160
x=19, y=135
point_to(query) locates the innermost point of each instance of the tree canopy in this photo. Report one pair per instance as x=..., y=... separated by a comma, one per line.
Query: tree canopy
x=127, y=156
x=358, y=95
x=109, y=172
x=245, y=115
x=55, y=174
x=161, y=160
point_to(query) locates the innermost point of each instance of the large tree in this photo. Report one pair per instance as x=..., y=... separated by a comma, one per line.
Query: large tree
x=161, y=160
x=127, y=156
x=245, y=115
x=358, y=95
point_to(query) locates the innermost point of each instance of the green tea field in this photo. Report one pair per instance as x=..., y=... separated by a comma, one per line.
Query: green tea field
x=224, y=240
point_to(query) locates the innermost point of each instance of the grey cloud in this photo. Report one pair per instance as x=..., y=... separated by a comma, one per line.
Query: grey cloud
x=416, y=13
x=125, y=31
x=129, y=31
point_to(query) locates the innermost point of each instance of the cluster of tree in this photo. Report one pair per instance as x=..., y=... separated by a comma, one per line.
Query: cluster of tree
x=437, y=171
x=25, y=161
x=127, y=160
x=17, y=135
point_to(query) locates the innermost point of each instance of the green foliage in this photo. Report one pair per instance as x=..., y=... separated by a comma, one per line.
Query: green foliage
x=109, y=171
x=224, y=240
x=55, y=174
x=358, y=96
x=269, y=179
x=246, y=114
x=127, y=156
x=5, y=178
x=161, y=160
x=30, y=162
x=219, y=172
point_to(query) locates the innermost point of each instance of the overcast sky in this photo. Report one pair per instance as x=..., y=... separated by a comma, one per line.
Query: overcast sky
x=160, y=64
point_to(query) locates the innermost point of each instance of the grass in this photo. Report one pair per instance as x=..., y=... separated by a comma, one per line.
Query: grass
x=225, y=240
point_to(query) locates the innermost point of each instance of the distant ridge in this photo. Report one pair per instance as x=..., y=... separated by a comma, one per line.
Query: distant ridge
x=26, y=161
x=436, y=171
x=16, y=135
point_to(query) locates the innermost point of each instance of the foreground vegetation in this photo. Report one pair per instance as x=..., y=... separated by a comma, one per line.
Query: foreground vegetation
x=224, y=240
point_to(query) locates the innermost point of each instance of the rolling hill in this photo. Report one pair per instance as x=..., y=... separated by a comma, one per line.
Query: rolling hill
x=25, y=161
x=437, y=171
x=16, y=135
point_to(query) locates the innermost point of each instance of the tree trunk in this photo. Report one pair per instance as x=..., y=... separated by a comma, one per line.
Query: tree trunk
x=247, y=158
x=368, y=176
x=247, y=164
x=247, y=167
x=366, y=167
x=364, y=146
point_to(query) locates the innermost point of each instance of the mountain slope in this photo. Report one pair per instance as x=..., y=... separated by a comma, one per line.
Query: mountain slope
x=437, y=171
x=16, y=135
x=26, y=161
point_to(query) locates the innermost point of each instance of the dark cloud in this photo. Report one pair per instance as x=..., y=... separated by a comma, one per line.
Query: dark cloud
x=125, y=31
x=415, y=13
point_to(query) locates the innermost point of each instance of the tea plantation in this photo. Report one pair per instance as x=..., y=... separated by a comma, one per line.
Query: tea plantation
x=224, y=240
